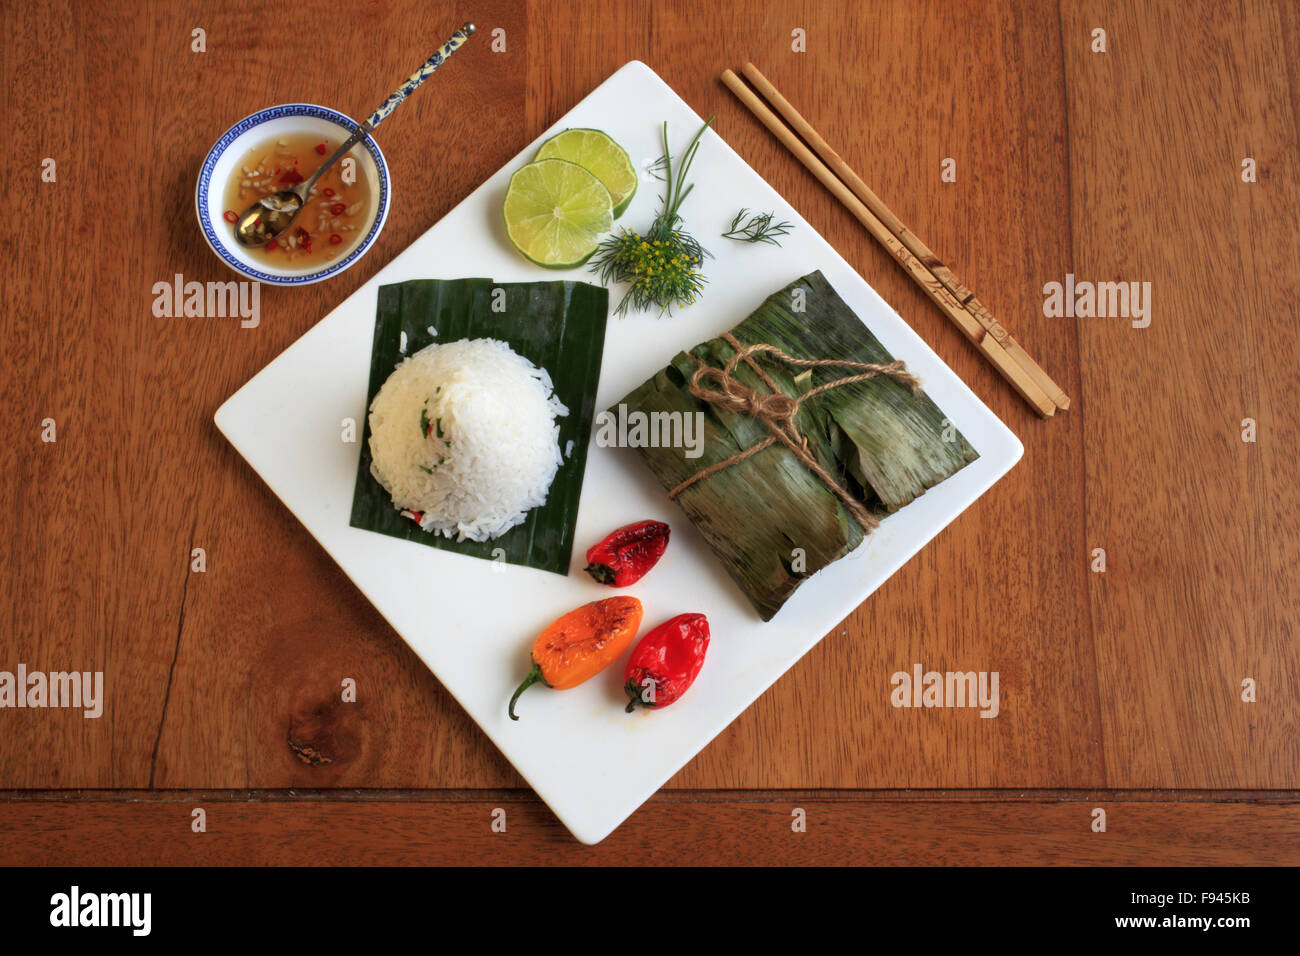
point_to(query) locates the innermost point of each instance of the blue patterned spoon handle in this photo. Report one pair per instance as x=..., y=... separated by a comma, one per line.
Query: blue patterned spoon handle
x=425, y=71
x=401, y=93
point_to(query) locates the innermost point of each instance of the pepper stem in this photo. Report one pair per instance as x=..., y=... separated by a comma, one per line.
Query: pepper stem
x=634, y=698
x=603, y=573
x=533, y=677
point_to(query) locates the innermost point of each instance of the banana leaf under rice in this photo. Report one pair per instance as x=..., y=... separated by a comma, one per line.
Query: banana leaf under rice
x=558, y=326
x=883, y=443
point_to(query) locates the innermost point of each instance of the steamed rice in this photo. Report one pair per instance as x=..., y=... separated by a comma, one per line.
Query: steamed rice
x=463, y=436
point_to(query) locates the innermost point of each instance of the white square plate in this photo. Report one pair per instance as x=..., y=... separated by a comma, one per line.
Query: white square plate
x=473, y=622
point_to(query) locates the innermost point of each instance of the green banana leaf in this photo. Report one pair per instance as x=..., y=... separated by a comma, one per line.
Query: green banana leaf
x=769, y=519
x=558, y=326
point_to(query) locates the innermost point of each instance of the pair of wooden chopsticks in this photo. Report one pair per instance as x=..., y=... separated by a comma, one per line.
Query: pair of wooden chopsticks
x=935, y=278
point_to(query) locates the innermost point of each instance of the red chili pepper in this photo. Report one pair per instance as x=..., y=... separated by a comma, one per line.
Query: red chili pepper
x=335, y=238
x=320, y=148
x=338, y=209
x=304, y=237
x=666, y=662
x=273, y=245
x=229, y=215
x=328, y=192
x=290, y=177
x=625, y=556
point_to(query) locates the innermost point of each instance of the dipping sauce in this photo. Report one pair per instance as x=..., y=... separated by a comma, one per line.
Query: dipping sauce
x=331, y=222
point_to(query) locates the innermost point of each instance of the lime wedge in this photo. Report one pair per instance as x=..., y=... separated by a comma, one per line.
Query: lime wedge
x=555, y=212
x=595, y=152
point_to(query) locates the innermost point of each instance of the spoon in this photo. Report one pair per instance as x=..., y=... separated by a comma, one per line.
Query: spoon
x=271, y=215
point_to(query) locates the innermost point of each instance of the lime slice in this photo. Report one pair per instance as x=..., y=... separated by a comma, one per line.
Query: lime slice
x=555, y=212
x=595, y=152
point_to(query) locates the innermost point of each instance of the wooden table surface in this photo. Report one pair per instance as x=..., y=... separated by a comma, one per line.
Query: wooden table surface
x=1120, y=689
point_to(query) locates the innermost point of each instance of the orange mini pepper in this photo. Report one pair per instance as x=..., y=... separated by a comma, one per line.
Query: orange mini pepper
x=581, y=644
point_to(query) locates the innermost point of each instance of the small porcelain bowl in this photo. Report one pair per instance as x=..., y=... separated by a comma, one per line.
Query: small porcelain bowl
x=235, y=143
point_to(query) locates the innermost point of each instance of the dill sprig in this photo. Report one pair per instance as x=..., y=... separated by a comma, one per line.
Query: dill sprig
x=759, y=228
x=656, y=169
x=662, y=264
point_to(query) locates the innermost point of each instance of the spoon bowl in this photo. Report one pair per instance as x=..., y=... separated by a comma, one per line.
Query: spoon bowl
x=270, y=216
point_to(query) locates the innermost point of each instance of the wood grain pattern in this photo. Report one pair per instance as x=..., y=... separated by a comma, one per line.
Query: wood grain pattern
x=1191, y=604
x=1117, y=166
x=748, y=829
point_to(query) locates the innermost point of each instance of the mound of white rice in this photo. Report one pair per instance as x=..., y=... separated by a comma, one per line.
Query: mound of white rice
x=464, y=433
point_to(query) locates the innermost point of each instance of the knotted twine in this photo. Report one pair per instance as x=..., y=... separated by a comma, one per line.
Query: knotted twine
x=778, y=410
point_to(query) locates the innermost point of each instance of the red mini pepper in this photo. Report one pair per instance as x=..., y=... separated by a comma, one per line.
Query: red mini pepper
x=666, y=662
x=625, y=556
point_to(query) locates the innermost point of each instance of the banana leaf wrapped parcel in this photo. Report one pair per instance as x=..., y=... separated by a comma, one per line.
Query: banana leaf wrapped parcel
x=812, y=432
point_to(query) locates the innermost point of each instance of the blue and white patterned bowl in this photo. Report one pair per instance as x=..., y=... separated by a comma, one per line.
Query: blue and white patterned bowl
x=219, y=166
